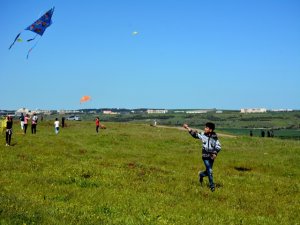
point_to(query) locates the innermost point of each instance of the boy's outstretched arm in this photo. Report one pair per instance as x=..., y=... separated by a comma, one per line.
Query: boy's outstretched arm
x=187, y=127
x=192, y=132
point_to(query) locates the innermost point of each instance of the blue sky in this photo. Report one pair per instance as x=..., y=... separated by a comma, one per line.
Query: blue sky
x=187, y=54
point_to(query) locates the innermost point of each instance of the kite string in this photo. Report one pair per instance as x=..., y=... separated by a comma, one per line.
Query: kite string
x=31, y=39
x=32, y=47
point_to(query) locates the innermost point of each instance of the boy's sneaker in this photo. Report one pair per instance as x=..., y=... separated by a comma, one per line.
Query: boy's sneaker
x=212, y=189
x=201, y=180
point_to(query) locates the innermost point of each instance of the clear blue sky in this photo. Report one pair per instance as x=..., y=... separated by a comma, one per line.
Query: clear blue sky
x=187, y=54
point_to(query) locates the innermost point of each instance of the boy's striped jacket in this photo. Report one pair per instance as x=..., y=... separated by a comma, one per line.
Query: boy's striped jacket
x=210, y=143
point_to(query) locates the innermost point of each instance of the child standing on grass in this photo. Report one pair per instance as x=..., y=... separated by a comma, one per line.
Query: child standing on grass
x=211, y=146
x=56, y=125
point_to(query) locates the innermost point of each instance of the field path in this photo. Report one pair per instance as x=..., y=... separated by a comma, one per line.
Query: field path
x=181, y=128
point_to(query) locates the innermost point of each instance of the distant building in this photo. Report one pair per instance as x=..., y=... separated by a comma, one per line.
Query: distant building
x=255, y=110
x=109, y=112
x=197, y=111
x=93, y=112
x=281, y=110
x=62, y=111
x=179, y=111
x=160, y=111
x=22, y=110
x=45, y=112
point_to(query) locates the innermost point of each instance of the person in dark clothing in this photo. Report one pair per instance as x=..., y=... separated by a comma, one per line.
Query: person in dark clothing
x=9, y=124
x=251, y=133
x=262, y=133
x=211, y=146
x=63, y=121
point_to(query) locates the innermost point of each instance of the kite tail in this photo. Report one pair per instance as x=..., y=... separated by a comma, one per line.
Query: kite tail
x=31, y=39
x=32, y=48
x=15, y=40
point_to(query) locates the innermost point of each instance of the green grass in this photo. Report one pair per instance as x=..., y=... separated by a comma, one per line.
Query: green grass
x=138, y=174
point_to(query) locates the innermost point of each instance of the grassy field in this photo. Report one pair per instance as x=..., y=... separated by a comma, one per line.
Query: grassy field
x=138, y=174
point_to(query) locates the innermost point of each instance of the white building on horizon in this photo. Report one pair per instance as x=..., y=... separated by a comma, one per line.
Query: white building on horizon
x=109, y=112
x=281, y=110
x=254, y=110
x=160, y=111
x=22, y=110
x=63, y=111
x=197, y=111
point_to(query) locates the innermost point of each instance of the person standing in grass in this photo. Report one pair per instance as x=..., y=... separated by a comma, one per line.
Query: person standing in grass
x=56, y=126
x=22, y=121
x=251, y=133
x=34, y=121
x=63, y=122
x=9, y=124
x=97, y=124
x=26, y=119
x=211, y=146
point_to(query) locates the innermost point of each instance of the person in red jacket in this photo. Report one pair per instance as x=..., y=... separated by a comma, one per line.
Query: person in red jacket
x=97, y=124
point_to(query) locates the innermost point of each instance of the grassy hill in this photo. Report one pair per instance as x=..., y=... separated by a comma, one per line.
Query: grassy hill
x=137, y=174
x=283, y=124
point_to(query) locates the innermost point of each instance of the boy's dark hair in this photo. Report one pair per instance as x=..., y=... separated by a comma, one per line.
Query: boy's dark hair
x=210, y=125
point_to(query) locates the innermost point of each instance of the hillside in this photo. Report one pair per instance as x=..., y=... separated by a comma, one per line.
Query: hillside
x=138, y=174
x=283, y=124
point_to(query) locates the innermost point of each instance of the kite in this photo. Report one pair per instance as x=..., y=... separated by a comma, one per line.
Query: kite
x=85, y=99
x=38, y=27
x=135, y=33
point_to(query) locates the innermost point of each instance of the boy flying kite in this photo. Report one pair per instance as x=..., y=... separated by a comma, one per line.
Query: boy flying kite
x=211, y=146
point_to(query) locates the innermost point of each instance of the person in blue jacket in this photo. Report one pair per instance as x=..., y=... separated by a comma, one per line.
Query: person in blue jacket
x=211, y=146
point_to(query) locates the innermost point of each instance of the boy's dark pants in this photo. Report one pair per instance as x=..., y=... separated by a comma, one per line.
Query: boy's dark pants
x=208, y=172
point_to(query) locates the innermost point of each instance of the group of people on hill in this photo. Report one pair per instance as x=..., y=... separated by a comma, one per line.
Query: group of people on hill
x=7, y=125
x=24, y=120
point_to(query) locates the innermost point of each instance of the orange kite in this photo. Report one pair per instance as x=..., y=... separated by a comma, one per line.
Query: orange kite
x=85, y=98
